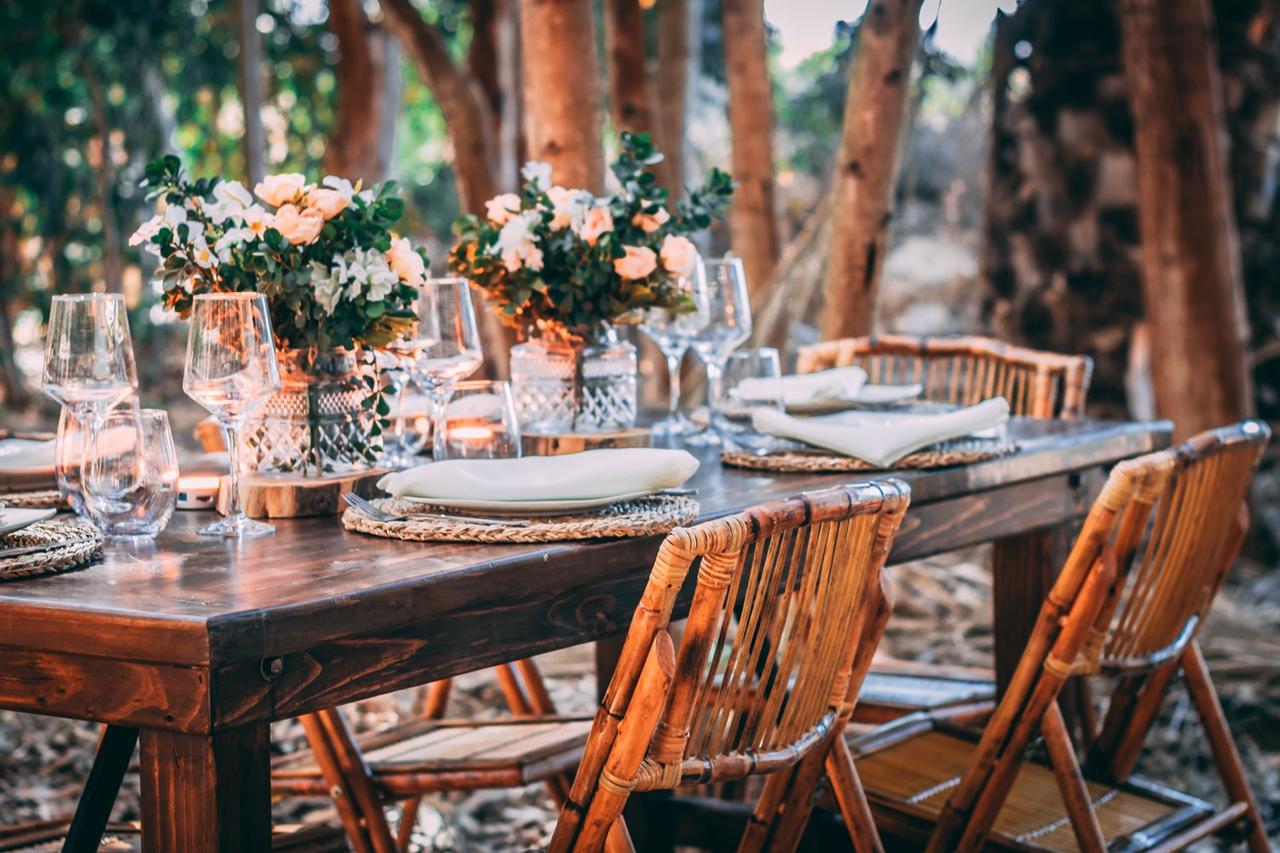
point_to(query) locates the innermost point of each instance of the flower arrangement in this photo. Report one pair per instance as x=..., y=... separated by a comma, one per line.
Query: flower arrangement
x=559, y=261
x=333, y=272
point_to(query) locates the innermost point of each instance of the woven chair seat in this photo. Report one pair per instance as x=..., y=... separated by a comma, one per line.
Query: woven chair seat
x=436, y=755
x=47, y=837
x=894, y=689
x=909, y=775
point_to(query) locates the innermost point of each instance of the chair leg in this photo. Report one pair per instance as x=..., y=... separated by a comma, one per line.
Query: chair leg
x=1223, y=747
x=797, y=804
x=339, y=792
x=344, y=769
x=851, y=798
x=115, y=747
x=1062, y=756
x=760, y=823
x=433, y=708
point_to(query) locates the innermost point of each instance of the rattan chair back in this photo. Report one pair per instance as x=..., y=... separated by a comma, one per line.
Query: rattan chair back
x=765, y=670
x=964, y=371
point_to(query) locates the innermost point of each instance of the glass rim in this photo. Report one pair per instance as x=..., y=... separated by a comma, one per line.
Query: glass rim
x=477, y=384
x=438, y=281
x=88, y=297
x=236, y=295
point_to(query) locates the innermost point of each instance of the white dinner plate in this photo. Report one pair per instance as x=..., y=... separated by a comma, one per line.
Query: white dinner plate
x=868, y=397
x=525, y=509
x=24, y=456
x=16, y=518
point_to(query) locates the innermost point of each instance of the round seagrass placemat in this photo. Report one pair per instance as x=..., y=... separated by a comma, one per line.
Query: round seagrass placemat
x=44, y=499
x=63, y=545
x=641, y=517
x=963, y=451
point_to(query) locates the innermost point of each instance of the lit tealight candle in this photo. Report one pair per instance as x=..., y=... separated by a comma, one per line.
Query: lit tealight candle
x=471, y=434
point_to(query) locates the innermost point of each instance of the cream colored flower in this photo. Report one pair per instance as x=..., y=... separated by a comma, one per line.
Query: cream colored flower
x=299, y=228
x=537, y=173
x=501, y=208
x=516, y=244
x=597, y=221
x=202, y=254
x=146, y=231
x=568, y=207
x=281, y=189
x=639, y=262
x=650, y=222
x=406, y=263
x=257, y=220
x=329, y=202
x=679, y=255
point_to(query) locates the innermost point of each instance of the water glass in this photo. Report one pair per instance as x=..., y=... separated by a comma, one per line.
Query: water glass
x=673, y=333
x=231, y=370
x=130, y=470
x=724, y=324
x=479, y=422
x=88, y=358
x=752, y=380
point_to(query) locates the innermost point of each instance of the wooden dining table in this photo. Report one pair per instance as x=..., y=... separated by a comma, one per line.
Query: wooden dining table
x=200, y=643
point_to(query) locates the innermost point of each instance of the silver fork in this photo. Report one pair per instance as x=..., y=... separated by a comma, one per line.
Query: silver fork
x=361, y=505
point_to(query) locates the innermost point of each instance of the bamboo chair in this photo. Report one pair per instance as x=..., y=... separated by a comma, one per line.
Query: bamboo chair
x=765, y=694
x=772, y=701
x=964, y=371
x=957, y=371
x=1119, y=607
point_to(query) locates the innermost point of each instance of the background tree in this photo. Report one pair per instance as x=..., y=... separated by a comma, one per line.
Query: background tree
x=354, y=148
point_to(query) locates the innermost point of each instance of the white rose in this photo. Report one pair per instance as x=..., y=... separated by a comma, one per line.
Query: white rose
x=406, y=263
x=175, y=215
x=233, y=237
x=679, y=255
x=568, y=206
x=146, y=231
x=381, y=283
x=517, y=245
x=202, y=254
x=327, y=284
x=597, y=221
x=638, y=263
x=339, y=185
x=538, y=173
x=650, y=222
x=501, y=208
x=281, y=189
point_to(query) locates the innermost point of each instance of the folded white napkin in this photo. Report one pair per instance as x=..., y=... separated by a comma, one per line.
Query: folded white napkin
x=574, y=476
x=882, y=438
x=22, y=454
x=840, y=383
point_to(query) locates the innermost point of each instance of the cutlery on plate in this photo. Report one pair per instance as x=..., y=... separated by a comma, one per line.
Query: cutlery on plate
x=363, y=506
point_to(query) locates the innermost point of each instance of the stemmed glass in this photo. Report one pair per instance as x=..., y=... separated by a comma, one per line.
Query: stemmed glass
x=724, y=324
x=480, y=422
x=397, y=451
x=231, y=368
x=673, y=333
x=88, y=356
x=443, y=347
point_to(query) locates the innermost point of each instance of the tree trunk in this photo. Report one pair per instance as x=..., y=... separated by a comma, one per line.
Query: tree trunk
x=250, y=76
x=679, y=52
x=460, y=99
x=629, y=94
x=874, y=113
x=353, y=148
x=392, y=101
x=562, y=90
x=1191, y=273
x=112, y=260
x=753, y=223
x=15, y=393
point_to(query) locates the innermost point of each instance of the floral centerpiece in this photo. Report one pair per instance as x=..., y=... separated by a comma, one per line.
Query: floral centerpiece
x=338, y=283
x=565, y=267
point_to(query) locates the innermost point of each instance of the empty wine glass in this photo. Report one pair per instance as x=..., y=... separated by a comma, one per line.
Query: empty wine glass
x=673, y=332
x=397, y=451
x=752, y=380
x=130, y=471
x=479, y=422
x=231, y=369
x=443, y=347
x=88, y=357
x=724, y=324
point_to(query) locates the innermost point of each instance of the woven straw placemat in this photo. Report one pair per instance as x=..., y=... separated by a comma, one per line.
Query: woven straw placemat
x=641, y=517
x=962, y=451
x=71, y=544
x=45, y=499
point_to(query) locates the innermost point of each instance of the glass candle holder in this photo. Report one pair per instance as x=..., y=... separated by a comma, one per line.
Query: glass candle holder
x=479, y=422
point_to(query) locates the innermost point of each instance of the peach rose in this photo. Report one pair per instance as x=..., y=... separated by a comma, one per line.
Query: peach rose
x=679, y=255
x=650, y=222
x=501, y=208
x=329, y=202
x=281, y=189
x=639, y=262
x=406, y=263
x=299, y=228
x=597, y=221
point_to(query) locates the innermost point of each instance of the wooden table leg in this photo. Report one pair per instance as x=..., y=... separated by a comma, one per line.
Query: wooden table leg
x=115, y=748
x=206, y=794
x=1023, y=569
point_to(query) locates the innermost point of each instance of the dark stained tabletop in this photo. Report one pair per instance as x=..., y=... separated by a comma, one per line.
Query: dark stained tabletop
x=265, y=595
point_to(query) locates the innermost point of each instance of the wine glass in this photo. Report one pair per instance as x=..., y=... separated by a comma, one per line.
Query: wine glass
x=231, y=368
x=443, y=347
x=88, y=357
x=724, y=324
x=752, y=380
x=397, y=451
x=130, y=472
x=673, y=333
x=479, y=422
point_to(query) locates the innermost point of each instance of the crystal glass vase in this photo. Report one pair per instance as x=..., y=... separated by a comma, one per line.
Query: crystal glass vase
x=568, y=386
x=318, y=422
